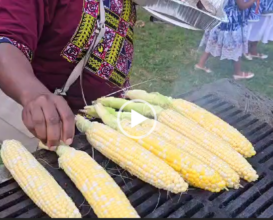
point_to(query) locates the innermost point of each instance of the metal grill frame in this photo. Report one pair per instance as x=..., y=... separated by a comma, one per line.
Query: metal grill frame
x=253, y=200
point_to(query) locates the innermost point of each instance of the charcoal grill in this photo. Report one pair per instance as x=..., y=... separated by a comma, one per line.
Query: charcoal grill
x=253, y=200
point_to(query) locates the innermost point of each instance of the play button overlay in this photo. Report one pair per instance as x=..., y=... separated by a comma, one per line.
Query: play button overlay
x=136, y=120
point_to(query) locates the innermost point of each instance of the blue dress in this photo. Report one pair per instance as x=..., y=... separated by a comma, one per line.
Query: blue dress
x=267, y=7
x=262, y=30
x=228, y=40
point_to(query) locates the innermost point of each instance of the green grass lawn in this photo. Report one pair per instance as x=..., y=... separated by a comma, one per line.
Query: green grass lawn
x=168, y=53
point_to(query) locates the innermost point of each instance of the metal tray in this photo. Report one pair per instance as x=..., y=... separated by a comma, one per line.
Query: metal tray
x=185, y=12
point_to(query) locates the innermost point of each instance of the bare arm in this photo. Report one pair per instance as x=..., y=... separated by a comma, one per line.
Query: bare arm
x=245, y=5
x=46, y=115
x=17, y=79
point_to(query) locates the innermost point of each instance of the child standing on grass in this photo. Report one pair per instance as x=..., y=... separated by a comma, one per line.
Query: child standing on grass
x=229, y=40
x=260, y=31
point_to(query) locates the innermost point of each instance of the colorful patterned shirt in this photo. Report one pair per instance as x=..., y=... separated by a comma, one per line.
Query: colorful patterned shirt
x=55, y=34
x=237, y=18
x=256, y=11
x=267, y=7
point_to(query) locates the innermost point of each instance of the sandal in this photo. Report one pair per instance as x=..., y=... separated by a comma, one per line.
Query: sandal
x=245, y=75
x=205, y=69
x=248, y=56
x=259, y=56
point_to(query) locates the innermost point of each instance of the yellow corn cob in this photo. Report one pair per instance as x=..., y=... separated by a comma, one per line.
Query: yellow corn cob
x=131, y=156
x=210, y=142
x=192, y=170
x=98, y=188
x=204, y=118
x=36, y=182
x=215, y=125
x=193, y=131
x=231, y=178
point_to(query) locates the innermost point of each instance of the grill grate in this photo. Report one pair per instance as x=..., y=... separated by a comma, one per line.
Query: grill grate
x=252, y=200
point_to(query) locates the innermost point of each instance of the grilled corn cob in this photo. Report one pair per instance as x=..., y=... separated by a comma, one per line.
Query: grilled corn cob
x=36, y=182
x=192, y=170
x=131, y=156
x=194, y=132
x=204, y=118
x=231, y=178
x=98, y=188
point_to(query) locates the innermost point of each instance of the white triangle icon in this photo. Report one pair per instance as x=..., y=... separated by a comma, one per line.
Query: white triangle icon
x=136, y=118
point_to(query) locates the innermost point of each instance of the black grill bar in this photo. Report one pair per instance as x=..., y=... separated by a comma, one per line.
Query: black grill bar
x=33, y=213
x=170, y=206
x=267, y=213
x=252, y=200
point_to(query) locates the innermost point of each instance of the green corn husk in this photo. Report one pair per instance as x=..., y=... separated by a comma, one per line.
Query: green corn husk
x=141, y=108
x=91, y=112
x=153, y=98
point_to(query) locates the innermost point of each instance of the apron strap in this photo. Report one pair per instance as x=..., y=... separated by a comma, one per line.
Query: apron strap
x=78, y=70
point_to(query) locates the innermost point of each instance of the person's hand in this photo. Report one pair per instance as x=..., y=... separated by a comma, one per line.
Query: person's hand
x=50, y=119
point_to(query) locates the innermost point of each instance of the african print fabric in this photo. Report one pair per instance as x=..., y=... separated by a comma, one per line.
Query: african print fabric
x=26, y=51
x=112, y=58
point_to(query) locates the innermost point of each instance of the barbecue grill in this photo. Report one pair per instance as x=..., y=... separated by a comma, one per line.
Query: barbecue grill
x=252, y=200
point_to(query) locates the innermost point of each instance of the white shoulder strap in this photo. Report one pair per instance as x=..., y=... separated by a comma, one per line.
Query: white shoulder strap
x=78, y=70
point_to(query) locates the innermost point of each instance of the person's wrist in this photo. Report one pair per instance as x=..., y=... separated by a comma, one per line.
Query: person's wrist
x=31, y=94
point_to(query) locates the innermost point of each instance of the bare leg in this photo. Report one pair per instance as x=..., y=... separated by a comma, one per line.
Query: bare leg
x=204, y=58
x=253, y=51
x=238, y=73
x=253, y=47
x=237, y=68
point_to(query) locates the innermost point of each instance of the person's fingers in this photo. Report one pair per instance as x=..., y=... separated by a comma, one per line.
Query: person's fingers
x=68, y=120
x=61, y=128
x=53, y=124
x=39, y=121
x=26, y=117
x=50, y=119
